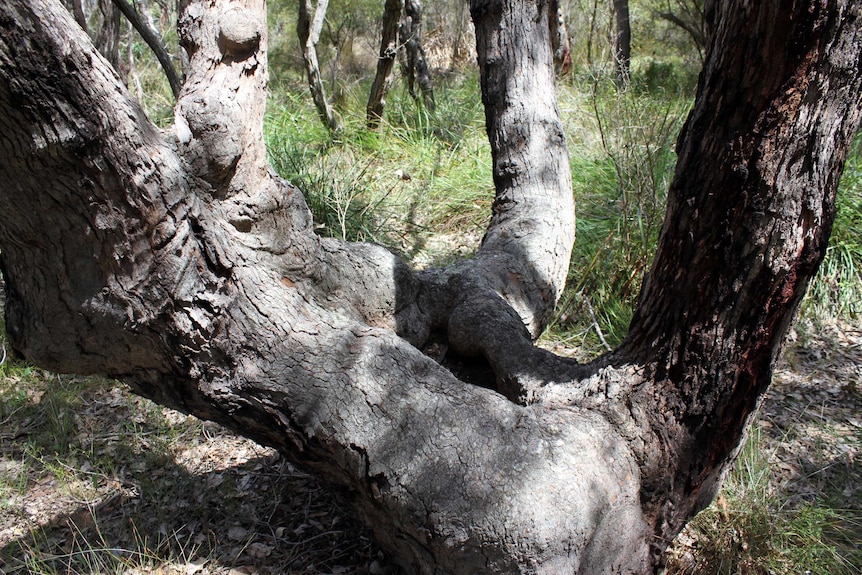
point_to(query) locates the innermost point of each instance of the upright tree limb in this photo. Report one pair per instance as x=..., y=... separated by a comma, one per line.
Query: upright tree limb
x=417, y=66
x=621, y=42
x=560, y=39
x=385, y=63
x=108, y=33
x=308, y=27
x=154, y=41
x=744, y=205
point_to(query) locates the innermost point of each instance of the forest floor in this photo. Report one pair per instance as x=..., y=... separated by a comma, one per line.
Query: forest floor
x=95, y=480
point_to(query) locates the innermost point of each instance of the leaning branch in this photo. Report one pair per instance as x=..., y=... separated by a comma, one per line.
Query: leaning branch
x=308, y=28
x=697, y=35
x=154, y=41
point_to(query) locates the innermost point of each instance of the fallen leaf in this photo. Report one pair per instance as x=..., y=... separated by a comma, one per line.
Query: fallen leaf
x=258, y=550
x=237, y=533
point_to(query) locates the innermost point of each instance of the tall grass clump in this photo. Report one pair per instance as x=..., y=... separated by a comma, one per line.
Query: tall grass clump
x=837, y=289
x=621, y=172
x=419, y=174
x=751, y=529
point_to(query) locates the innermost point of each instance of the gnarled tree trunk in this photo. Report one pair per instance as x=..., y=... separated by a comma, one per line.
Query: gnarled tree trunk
x=179, y=263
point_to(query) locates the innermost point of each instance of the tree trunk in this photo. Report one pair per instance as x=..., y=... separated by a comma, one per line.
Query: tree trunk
x=622, y=42
x=417, y=66
x=385, y=62
x=560, y=39
x=108, y=33
x=180, y=264
x=309, y=25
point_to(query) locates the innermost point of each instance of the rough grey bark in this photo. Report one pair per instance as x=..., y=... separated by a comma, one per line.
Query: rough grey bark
x=179, y=263
x=309, y=25
x=385, y=62
x=154, y=41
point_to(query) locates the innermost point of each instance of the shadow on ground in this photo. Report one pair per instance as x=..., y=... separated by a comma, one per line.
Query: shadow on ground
x=135, y=488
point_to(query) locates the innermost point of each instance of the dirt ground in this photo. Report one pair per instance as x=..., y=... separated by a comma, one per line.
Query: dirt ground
x=134, y=488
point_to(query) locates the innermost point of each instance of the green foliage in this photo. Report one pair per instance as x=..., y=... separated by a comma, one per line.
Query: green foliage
x=751, y=530
x=419, y=172
x=620, y=184
x=837, y=289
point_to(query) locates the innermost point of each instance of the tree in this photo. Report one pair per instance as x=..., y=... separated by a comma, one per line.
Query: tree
x=621, y=41
x=309, y=25
x=559, y=39
x=178, y=263
x=687, y=15
x=417, y=67
x=385, y=62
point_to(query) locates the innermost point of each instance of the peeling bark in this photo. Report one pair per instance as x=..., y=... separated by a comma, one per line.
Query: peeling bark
x=179, y=263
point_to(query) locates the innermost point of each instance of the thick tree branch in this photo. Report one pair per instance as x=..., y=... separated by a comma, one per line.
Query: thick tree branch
x=154, y=41
x=748, y=208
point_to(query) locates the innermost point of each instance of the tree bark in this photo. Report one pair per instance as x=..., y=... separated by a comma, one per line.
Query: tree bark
x=108, y=33
x=749, y=216
x=560, y=39
x=385, y=62
x=308, y=27
x=622, y=42
x=180, y=264
x=417, y=66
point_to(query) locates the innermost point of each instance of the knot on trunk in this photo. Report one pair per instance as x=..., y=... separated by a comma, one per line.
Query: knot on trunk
x=239, y=33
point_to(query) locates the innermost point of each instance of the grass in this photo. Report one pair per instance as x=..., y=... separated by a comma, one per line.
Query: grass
x=752, y=528
x=837, y=289
x=622, y=160
x=395, y=186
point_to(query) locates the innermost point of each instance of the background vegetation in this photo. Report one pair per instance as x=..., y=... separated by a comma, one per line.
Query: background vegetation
x=154, y=491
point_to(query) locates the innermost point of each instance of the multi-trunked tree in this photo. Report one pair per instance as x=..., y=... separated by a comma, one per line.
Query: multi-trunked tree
x=179, y=263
